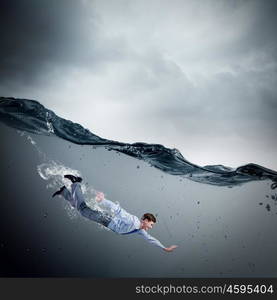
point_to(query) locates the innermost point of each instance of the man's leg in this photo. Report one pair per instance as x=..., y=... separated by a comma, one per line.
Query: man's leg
x=67, y=195
x=75, y=197
x=94, y=215
x=77, y=194
x=85, y=211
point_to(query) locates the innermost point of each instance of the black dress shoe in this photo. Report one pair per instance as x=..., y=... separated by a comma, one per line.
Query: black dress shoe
x=73, y=178
x=58, y=192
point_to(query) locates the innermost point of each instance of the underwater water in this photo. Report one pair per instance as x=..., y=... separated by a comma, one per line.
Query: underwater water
x=222, y=219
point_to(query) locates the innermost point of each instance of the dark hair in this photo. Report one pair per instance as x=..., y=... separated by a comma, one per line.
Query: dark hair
x=149, y=217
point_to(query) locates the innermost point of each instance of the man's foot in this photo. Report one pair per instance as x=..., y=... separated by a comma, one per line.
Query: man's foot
x=58, y=192
x=73, y=178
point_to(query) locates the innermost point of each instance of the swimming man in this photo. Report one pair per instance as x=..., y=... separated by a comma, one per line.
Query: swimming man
x=120, y=222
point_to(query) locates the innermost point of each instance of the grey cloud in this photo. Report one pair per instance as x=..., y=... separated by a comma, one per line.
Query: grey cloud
x=37, y=35
x=224, y=104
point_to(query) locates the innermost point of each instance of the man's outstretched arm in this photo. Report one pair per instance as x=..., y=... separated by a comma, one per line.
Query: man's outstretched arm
x=155, y=242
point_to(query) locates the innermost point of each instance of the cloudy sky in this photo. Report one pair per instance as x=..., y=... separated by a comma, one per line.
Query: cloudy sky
x=199, y=76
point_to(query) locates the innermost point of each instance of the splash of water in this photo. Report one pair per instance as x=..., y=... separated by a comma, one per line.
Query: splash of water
x=54, y=172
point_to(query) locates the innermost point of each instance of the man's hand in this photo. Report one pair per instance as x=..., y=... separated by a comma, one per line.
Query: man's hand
x=170, y=249
x=99, y=196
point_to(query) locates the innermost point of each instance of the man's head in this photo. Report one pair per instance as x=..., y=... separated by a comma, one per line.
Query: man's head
x=147, y=221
